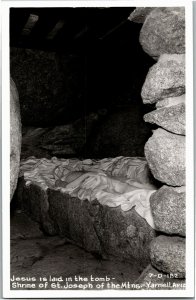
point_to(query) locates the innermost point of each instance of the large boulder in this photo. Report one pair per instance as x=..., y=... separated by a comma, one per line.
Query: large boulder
x=164, y=31
x=165, y=79
x=15, y=137
x=165, y=153
x=171, y=118
x=168, y=255
x=168, y=210
x=139, y=14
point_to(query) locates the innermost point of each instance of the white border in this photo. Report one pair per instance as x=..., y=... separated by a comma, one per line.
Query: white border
x=7, y=293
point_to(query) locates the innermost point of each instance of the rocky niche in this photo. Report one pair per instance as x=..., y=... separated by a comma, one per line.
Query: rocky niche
x=111, y=182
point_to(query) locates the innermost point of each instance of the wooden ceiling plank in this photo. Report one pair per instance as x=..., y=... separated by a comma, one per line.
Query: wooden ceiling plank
x=31, y=22
x=81, y=33
x=59, y=25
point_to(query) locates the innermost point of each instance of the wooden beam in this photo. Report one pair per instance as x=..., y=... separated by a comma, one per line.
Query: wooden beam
x=59, y=25
x=31, y=22
x=80, y=33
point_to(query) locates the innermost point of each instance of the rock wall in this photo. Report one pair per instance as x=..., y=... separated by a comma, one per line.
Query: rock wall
x=50, y=86
x=162, y=37
x=15, y=137
x=70, y=107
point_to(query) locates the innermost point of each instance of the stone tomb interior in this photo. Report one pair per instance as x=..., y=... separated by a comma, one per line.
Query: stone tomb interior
x=79, y=74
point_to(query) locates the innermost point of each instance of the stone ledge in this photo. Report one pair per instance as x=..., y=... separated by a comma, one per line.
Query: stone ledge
x=99, y=229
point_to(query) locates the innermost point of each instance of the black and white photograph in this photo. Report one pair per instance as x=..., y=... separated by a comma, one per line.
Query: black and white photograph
x=97, y=132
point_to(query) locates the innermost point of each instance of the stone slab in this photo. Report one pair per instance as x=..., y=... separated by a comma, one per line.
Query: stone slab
x=101, y=230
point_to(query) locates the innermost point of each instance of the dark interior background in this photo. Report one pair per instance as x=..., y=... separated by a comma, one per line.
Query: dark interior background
x=87, y=79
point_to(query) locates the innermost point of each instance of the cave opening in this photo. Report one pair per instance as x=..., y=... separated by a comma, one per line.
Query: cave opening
x=79, y=74
x=90, y=74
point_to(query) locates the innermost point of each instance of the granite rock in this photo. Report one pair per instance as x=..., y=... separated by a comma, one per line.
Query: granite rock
x=172, y=101
x=168, y=210
x=164, y=31
x=168, y=255
x=165, y=79
x=15, y=137
x=165, y=154
x=62, y=141
x=170, y=118
x=139, y=14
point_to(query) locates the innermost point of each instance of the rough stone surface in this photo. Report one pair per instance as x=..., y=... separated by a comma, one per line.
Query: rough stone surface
x=22, y=227
x=15, y=137
x=165, y=154
x=57, y=88
x=172, y=101
x=50, y=85
x=60, y=141
x=99, y=229
x=165, y=79
x=168, y=255
x=139, y=14
x=164, y=31
x=122, y=133
x=34, y=201
x=170, y=118
x=151, y=279
x=168, y=209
